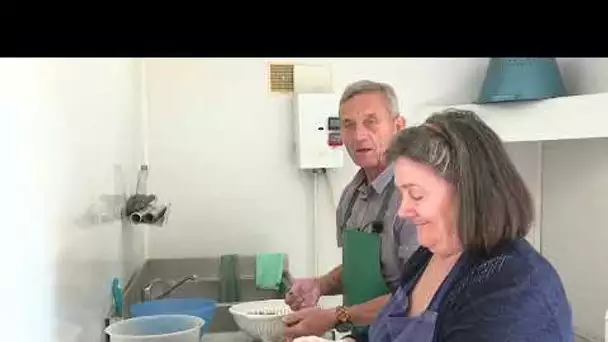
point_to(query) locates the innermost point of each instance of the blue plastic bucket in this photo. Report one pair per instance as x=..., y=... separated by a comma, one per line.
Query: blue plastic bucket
x=203, y=308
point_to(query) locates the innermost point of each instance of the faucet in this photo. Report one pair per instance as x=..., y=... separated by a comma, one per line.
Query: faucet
x=146, y=292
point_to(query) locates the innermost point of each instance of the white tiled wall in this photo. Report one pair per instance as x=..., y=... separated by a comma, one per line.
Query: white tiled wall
x=68, y=126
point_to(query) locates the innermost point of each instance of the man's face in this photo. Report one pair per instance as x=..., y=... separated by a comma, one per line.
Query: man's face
x=367, y=128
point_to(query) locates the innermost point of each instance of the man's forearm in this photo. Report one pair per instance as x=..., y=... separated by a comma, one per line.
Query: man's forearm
x=365, y=314
x=361, y=314
x=331, y=283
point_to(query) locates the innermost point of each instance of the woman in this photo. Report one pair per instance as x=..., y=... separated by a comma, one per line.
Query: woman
x=475, y=277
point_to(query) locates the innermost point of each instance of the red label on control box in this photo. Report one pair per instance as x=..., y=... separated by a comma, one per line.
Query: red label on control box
x=334, y=139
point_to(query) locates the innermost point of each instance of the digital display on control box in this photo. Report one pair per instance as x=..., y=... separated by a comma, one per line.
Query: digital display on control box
x=333, y=123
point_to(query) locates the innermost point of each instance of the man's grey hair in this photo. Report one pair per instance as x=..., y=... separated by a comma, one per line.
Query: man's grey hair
x=367, y=86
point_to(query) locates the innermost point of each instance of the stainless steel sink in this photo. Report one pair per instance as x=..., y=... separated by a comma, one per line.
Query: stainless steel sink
x=206, y=285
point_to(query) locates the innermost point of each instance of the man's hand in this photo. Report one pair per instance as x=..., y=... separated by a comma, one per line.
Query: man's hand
x=319, y=339
x=309, y=322
x=304, y=293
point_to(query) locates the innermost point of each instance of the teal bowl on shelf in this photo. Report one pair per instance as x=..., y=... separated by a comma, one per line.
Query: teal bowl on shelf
x=521, y=79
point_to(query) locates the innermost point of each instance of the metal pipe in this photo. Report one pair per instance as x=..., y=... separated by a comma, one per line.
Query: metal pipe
x=146, y=292
x=137, y=217
x=192, y=278
x=154, y=214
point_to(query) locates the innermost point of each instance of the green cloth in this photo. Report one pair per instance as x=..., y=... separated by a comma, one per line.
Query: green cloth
x=269, y=271
x=230, y=289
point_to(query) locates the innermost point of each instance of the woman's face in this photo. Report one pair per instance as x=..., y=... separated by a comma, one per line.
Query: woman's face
x=429, y=202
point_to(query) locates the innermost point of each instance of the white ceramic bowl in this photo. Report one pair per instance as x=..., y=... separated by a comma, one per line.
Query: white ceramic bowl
x=261, y=319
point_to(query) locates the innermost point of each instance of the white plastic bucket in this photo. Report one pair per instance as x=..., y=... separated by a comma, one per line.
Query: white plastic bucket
x=157, y=328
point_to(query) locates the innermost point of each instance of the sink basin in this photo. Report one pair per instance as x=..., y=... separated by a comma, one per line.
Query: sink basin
x=207, y=285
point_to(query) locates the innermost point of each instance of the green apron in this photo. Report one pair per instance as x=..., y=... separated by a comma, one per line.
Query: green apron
x=362, y=278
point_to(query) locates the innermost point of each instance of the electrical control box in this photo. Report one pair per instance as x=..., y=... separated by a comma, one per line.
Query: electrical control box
x=318, y=140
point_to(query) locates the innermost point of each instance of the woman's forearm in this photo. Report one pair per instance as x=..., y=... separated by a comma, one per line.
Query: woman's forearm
x=365, y=314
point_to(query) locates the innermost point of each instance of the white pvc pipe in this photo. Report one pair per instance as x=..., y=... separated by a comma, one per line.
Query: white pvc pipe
x=145, y=133
x=315, y=224
x=145, y=115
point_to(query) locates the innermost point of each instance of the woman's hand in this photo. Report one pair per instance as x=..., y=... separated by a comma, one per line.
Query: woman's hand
x=308, y=322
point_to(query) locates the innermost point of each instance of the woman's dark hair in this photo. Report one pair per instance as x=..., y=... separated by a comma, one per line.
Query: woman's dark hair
x=494, y=204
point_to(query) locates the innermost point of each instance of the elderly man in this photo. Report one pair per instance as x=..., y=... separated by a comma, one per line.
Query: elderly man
x=375, y=241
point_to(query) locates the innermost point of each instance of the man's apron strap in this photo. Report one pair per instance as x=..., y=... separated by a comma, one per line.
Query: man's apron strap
x=379, y=216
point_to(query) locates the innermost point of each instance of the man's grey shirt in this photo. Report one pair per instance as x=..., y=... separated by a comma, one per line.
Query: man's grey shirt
x=398, y=239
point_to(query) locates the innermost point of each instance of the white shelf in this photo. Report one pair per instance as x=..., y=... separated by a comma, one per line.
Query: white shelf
x=571, y=117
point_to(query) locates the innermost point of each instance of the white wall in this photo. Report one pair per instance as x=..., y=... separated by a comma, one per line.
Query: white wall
x=221, y=150
x=574, y=187
x=575, y=232
x=68, y=125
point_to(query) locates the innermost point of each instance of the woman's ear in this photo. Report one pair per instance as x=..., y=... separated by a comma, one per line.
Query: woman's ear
x=400, y=123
